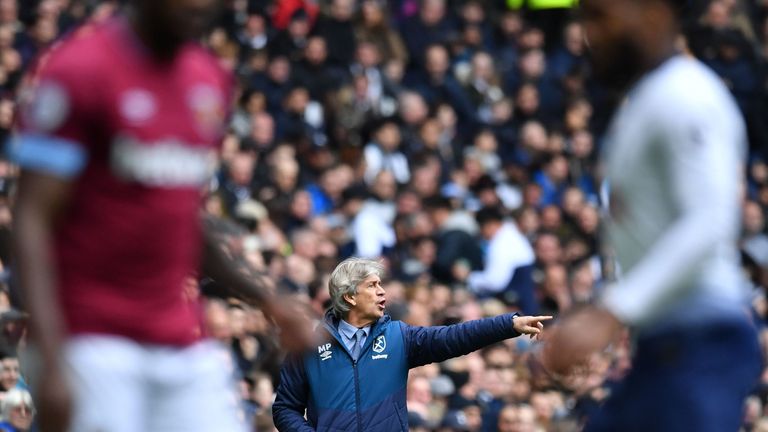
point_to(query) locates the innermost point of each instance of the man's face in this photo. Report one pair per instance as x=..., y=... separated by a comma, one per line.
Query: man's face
x=385, y=187
x=512, y=419
x=508, y=421
x=437, y=60
x=316, y=51
x=8, y=11
x=432, y=11
x=610, y=27
x=474, y=417
x=488, y=229
x=419, y=390
x=753, y=218
x=20, y=417
x=342, y=10
x=370, y=300
x=10, y=373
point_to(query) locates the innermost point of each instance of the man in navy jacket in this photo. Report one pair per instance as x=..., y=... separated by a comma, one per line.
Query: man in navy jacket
x=356, y=381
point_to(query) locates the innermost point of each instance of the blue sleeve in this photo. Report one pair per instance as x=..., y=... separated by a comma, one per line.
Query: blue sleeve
x=291, y=400
x=435, y=344
x=49, y=154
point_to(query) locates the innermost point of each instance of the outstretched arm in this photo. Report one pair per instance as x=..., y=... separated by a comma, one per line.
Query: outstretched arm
x=435, y=344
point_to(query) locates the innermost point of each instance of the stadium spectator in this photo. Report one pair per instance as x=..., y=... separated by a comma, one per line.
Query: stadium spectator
x=455, y=239
x=374, y=27
x=368, y=62
x=255, y=34
x=431, y=26
x=517, y=419
x=436, y=83
x=314, y=72
x=290, y=43
x=338, y=29
x=383, y=154
x=18, y=411
x=485, y=150
x=507, y=266
x=372, y=227
x=10, y=373
x=754, y=240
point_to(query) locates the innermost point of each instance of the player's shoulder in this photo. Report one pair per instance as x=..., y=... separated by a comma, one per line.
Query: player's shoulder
x=683, y=97
x=82, y=51
x=81, y=48
x=68, y=69
x=201, y=60
x=684, y=84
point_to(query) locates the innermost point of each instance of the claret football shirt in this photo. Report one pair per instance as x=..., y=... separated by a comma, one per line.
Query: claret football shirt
x=137, y=137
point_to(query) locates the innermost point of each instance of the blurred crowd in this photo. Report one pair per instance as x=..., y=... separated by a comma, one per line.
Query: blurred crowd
x=456, y=140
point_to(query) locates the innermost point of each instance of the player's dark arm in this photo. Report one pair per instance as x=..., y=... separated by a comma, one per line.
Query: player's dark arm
x=291, y=398
x=39, y=203
x=232, y=280
x=256, y=289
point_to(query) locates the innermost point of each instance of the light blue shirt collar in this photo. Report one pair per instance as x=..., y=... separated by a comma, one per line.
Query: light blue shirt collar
x=347, y=332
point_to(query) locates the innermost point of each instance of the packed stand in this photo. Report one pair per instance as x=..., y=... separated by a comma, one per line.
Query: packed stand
x=455, y=140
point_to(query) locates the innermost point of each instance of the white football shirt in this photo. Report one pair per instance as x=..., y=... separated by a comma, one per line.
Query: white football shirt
x=674, y=161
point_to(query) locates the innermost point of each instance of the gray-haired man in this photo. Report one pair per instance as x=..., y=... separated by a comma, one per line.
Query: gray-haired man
x=357, y=380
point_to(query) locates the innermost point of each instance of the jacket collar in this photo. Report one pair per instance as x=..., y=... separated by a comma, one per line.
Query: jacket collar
x=331, y=324
x=348, y=330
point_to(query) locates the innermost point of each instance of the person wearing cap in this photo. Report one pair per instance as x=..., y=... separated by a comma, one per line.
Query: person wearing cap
x=357, y=379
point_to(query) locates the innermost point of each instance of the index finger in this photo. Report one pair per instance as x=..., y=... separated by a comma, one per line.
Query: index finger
x=541, y=317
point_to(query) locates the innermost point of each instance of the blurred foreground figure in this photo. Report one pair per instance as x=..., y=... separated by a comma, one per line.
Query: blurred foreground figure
x=114, y=150
x=673, y=166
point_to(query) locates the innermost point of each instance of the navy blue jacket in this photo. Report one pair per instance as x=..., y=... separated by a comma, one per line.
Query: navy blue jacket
x=340, y=394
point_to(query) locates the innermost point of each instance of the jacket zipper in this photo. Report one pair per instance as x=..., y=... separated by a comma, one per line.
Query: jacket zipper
x=357, y=397
x=334, y=332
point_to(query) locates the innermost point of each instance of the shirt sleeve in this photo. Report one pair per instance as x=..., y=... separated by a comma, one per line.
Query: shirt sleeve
x=435, y=344
x=56, y=121
x=700, y=148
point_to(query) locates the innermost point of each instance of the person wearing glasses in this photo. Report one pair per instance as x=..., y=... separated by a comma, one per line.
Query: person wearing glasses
x=17, y=410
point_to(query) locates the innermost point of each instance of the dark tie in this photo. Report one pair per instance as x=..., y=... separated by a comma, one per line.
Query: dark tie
x=357, y=343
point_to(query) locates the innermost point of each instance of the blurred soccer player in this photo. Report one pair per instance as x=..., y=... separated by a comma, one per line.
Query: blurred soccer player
x=115, y=148
x=674, y=159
